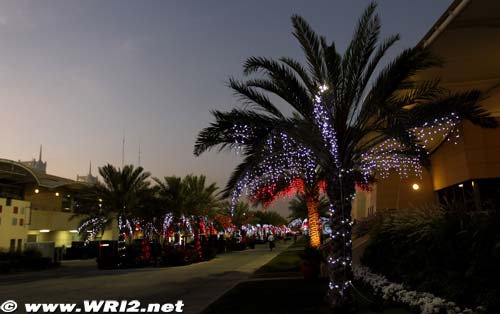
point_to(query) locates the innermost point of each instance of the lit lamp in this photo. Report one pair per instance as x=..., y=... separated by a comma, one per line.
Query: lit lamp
x=415, y=186
x=461, y=185
x=57, y=193
x=37, y=191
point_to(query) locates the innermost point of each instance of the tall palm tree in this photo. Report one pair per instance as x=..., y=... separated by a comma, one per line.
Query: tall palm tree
x=351, y=123
x=120, y=196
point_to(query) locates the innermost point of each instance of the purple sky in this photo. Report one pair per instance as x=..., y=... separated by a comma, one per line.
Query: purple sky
x=77, y=75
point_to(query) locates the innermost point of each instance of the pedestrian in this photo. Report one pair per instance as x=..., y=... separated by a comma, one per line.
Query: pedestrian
x=270, y=239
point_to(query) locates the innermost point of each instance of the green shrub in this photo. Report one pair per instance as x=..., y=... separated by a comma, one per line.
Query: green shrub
x=29, y=259
x=453, y=254
x=178, y=256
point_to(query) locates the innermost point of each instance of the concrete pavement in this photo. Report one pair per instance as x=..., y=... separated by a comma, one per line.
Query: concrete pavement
x=197, y=285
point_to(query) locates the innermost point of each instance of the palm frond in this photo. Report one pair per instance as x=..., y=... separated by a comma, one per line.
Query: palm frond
x=249, y=96
x=311, y=46
x=301, y=72
x=465, y=104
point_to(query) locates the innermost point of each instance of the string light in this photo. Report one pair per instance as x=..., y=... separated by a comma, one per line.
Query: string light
x=296, y=161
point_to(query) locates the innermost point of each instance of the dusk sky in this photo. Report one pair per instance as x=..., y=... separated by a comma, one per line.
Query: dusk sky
x=77, y=75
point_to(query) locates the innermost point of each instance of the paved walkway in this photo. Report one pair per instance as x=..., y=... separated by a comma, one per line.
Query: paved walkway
x=197, y=285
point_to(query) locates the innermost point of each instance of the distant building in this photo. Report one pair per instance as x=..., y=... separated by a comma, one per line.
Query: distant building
x=89, y=178
x=39, y=207
x=38, y=165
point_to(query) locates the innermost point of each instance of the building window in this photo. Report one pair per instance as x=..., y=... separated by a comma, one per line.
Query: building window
x=0, y=209
x=481, y=194
x=8, y=202
x=31, y=238
x=15, y=209
x=22, y=210
x=12, y=245
x=21, y=222
x=14, y=221
x=19, y=244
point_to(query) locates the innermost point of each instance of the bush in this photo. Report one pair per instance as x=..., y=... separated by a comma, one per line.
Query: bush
x=209, y=252
x=30, y=259
x=178, y=256
x=233, y=245
x=453, y=254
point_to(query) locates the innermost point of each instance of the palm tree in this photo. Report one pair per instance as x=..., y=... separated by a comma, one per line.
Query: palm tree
x=173, y=195
x=351, y=123
x=308, y=190
x=239, y=213
x=120, y=196
x=300, y=209
x=151, y=213
x=190, y=201
x=202, y=205
x=269, y=218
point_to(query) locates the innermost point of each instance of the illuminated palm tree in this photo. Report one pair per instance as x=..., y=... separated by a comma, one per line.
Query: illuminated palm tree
x=299, y=207
x=190, y=201
x=308, y=190
x=347, y=121
x=120, y=196
x=202, y=205
x=239, y=214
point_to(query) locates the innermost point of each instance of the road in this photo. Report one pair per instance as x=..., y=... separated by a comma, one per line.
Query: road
x=197, y=285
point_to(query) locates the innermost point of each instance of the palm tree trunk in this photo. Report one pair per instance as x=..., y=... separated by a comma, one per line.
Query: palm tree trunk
x=340, y=190
x=312, y=202
x=197, y=241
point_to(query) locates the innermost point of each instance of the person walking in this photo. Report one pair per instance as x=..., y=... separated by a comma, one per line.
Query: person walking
x=270, y=239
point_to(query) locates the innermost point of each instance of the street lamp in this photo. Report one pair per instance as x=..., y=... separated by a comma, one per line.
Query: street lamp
x=415, y=186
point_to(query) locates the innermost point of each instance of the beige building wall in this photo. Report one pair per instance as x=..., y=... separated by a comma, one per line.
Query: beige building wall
x=53, y=220
x=475, y=156
x=53, y=226
x=59, y=237
x=394, y=192
x=59, y=227
x=14, y=226
x=364, y=203
x=112, y=232
x=45, y=199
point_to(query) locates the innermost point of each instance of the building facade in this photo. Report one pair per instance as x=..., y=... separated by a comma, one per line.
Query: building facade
x=465, y=171
x=39, y=207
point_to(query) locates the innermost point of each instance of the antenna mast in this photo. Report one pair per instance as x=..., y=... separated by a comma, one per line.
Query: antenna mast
x=123, y=150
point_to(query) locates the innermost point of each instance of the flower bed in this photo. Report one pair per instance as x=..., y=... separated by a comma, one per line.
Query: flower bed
x=424, y=302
